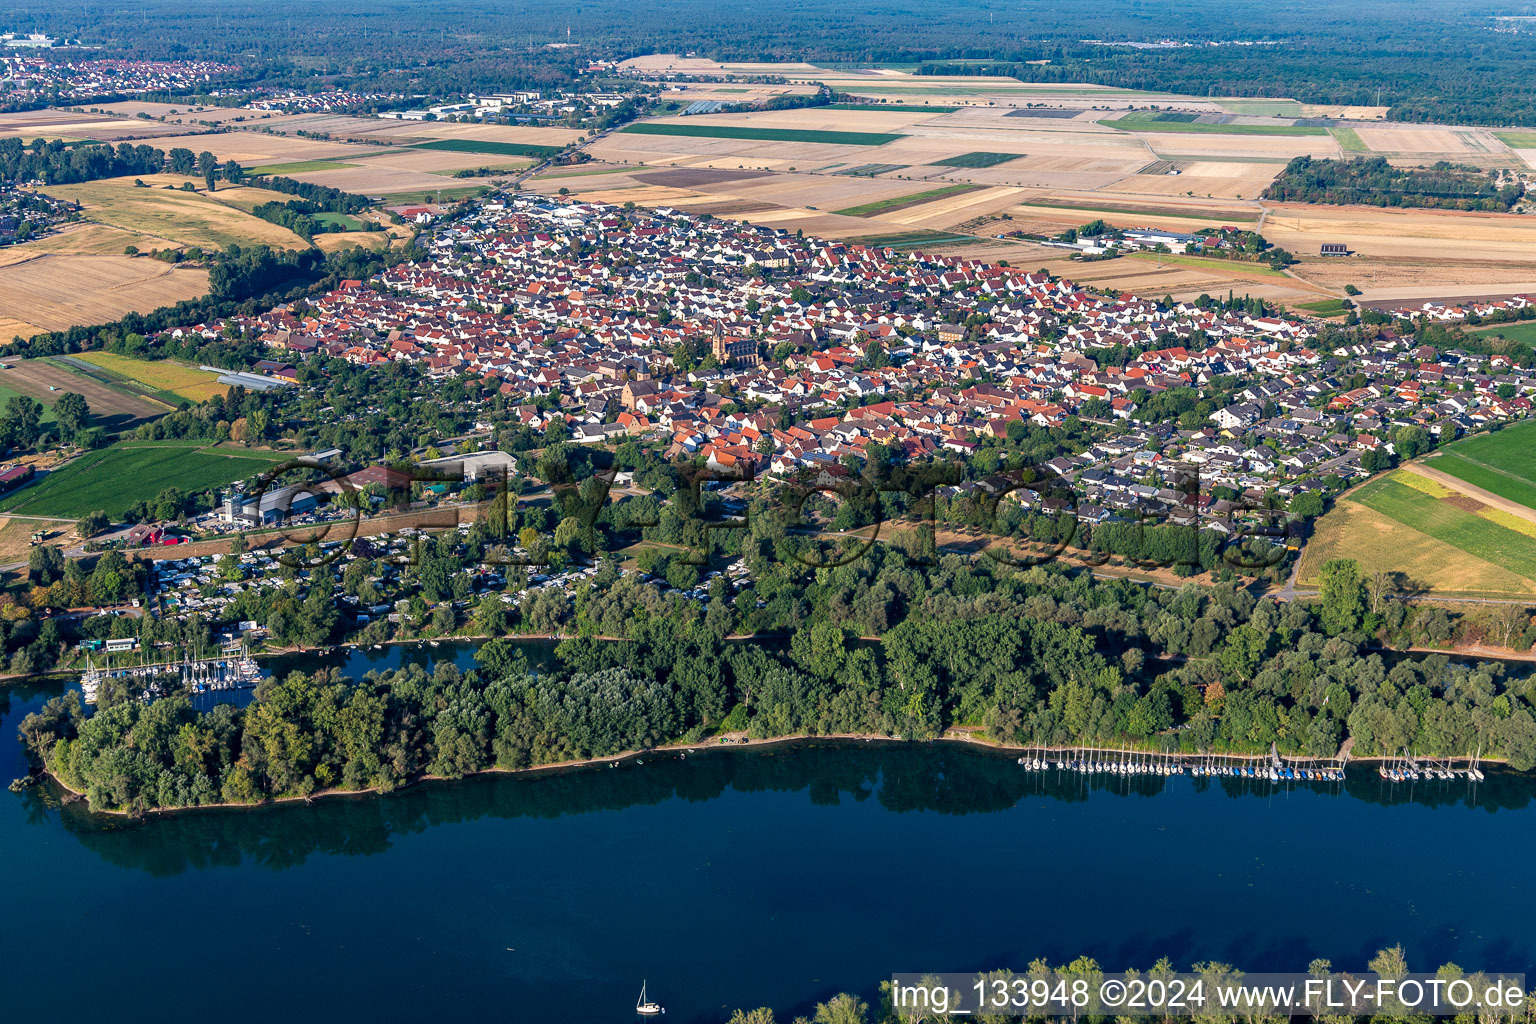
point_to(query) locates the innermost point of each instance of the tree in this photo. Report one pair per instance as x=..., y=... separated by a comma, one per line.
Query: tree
x=92, y=523
x=182, y=160
x=1307, y=505
x=233, y=172
x=72, y=413
x=207, y=166
x=1343, y=595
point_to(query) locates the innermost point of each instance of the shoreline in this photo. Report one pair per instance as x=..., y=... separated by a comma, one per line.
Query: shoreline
x=701, y=747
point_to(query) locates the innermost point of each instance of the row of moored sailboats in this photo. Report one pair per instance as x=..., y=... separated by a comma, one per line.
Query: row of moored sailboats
x=1121, y=762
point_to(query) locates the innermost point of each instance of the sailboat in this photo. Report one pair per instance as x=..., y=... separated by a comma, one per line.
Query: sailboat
x=647, y=1009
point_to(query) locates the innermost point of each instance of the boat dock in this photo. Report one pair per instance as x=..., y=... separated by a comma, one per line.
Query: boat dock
x=226, y=671
x=1102, y=761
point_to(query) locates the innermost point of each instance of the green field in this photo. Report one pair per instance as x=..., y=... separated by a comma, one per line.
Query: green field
x=1489, y=479
x=881, y=205
x=718, y=131
x=300, y=167
x=498, y=148
x=1522, y=331
x=112, y=479
x=347, y=221
x=434, y=195
x=1230, y=266
x=908, y=108
x=1349, y=140
x=918, y=238
x=1472, y=534
x=1327, y=307
x=1099, y=209
x=1503, y=462
x=977, y=159
x=1517, y=140
x=6, y=394
x=1145, y=123
x=1261, y=108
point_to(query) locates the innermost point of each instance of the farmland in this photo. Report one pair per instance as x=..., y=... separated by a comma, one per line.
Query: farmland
x=978, y=159
x=1503, y=462
x=1442, y=540
x=172, y=379
x=170, y=217
x=112, y=407
x=113, y=479
x=50, y=291
x=488, y=146
x=901, y=202
x=712, y=131
x=1145, y=123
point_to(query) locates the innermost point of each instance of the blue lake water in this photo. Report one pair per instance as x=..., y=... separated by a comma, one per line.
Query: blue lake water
x=735, y=878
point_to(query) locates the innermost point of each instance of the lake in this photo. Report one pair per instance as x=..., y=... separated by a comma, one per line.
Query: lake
x=736, y=878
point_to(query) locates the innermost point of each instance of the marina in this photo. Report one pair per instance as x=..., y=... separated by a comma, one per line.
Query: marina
x=231, y=670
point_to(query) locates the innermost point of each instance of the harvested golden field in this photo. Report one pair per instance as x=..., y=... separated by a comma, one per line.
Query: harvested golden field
x=1447, y=235
x=252, y=149
x=54, y=291
x=87, y=238
x=335, y=241
x=172, y=217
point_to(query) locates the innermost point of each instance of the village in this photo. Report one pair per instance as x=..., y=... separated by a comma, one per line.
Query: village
x=759, y=355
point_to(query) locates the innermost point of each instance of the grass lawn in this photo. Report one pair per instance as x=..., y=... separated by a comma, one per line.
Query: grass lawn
x=720, y=131
x=1349, y=140
x=112, y=479
x=881, y=205
x=481, y=146
x=1445, y=522
x=300, y=167
x=179, y=379
x=977, y=159
x=1145, y=123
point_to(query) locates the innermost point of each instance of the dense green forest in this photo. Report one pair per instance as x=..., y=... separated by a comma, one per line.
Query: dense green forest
x=1435, y=59
x=1375, y=182
x=1041, y=656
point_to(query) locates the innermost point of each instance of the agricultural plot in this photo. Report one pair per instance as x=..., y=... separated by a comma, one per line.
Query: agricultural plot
x=1523, y=332
x=1380, y=543
x=1503, y=462
x=112, y=479
x=1451, y=521
x=488, y=146
x=978, y=159
x=163, y=377
x=170, y=217
x=902, y=202
x=1166, y=122
x=112, y=408
x=51, y=292
x=714, y=131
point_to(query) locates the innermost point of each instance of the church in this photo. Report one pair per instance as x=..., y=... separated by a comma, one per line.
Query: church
x=733, y=351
